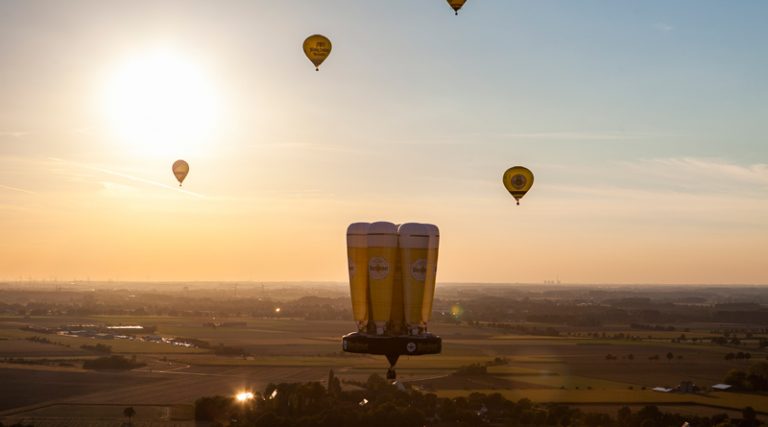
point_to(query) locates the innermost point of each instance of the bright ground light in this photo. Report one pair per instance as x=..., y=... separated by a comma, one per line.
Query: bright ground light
x=244, y=396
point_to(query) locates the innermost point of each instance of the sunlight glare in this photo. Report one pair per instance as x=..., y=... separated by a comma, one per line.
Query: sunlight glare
x=161, y=103
x=244, y=396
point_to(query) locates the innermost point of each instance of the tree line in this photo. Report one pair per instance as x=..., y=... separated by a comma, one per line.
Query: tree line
x=379, y=403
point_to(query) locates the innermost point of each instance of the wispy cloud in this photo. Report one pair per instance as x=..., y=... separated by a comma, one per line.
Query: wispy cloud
x=306, y=146
x=689, y=189
x=14, y=133
x=663, y=27
x=20, y=190
x=118, y=188
x=469, y=138
x=574, y=136
x=704, y=173
x=127, y=176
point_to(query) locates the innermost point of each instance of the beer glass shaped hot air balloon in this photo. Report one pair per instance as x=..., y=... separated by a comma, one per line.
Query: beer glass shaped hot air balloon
x=397, y=314
x=357, y=259
x=180, y=169
x=317, y=47
x=456, y=5
x=414, y=246
x=518, y=180
x=401, y=265
x=382, y=255
x=430, y=278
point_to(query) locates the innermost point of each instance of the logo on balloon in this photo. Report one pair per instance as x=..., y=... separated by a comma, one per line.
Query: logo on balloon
x=419, y=270
x=378, y=268
x=519, y=181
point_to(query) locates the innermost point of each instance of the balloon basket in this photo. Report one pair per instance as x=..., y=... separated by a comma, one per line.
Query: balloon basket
x=392, y=346
x=405, y=345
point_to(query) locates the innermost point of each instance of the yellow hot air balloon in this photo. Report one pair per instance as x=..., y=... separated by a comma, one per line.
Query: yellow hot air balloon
x=317, y=47
x=518, y=180
x=180, y=169
x=456, y=4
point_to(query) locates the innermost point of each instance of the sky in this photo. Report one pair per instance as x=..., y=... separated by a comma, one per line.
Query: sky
x=644, y=123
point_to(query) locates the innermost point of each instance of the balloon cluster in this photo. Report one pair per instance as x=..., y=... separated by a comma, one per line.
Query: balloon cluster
x=317, y=47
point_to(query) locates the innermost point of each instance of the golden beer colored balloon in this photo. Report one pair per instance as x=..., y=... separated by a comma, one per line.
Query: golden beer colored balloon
x=357, y=261
x=180, y=170
x=518, y=180
x=456, y=4
x=382, y=259
x=317, y=47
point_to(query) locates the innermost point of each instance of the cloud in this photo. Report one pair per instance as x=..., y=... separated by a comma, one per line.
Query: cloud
x=703, y=174
x=117, y=188
x=663, y=27
x=306, y=146
x=662, y=176
x=20, y=190
x=688, y=189
x=127, y=176
x=14, y=133
x=575, y=136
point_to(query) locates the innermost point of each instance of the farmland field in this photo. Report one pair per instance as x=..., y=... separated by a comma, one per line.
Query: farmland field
x=107, y=415
x=541, y=368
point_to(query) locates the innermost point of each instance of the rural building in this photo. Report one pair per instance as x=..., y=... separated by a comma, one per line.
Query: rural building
x=687, y=387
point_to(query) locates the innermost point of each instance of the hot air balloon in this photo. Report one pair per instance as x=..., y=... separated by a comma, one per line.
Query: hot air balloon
x=392, y=271
x=317, y=47
x=456, y=4
x=180, y=169
x=518, y=180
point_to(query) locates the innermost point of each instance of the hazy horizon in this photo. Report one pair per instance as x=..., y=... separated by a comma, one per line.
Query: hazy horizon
x=344, y=286
x=644, y=125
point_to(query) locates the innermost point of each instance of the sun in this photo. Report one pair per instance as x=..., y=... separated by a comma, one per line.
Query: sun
x=161, y=103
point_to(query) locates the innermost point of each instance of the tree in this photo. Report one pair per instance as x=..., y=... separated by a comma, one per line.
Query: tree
x=650, y=416
x=624, y=415
x=749, y=418
x=129, y=412
x=736, y=378
x=334, y=385
x=213, y=408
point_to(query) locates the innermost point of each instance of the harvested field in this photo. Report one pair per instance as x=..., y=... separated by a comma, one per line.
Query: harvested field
x=472, y=382
x=105, y=415
x=22, y=387
x=24, y=348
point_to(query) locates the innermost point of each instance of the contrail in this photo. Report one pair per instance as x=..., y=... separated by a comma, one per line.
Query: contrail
x=130, y=177
x=20, y=190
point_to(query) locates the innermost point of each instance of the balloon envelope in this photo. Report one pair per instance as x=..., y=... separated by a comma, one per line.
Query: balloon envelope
x=456, y=4
x=180, y=170
x=518, y=180
x=317, y=47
